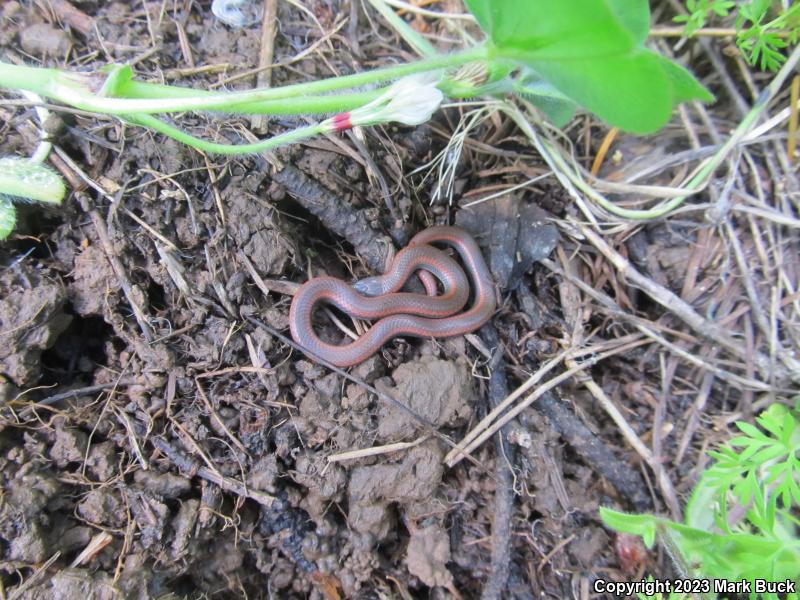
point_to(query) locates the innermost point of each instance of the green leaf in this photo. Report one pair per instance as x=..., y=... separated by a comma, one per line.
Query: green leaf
x=634, y=16
x=555, y=105
x=721, y=9
x=697, y=509
x=684, y=86
x=30, y=181
x=558, y=112
x=726, y=455
x=746, y=442
x=480, y=10
x=751, y=430
x=8, y=217
x=768, y=454
x=591, y=51
x=772, y=425
x=119, y=76
x=641, y=525
x=772, y=506
x=628, y=90
x=789, y=425
x=553, y=28
x=795, y=488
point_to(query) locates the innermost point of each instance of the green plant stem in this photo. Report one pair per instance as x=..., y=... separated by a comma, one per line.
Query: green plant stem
x=289, y=137
x=33, y=79
x=304, y=105
x=73, y=89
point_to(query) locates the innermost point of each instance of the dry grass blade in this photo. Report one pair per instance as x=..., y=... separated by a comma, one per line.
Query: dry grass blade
x=791, y=143
x=498, y=410
x=649, y=330
x=790, y=372
x=375, y=450
x=483, y=432
x=97, y=543
x=603, y=150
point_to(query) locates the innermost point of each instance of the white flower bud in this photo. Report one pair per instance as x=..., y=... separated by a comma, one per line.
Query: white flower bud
x=409, y=101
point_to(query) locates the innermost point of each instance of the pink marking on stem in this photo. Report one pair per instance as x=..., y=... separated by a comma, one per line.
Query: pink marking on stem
x=341, y=122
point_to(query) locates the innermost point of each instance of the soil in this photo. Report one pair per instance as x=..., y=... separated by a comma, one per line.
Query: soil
x=155, y=443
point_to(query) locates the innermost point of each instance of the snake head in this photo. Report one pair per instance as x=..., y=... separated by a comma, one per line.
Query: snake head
x=369, y=286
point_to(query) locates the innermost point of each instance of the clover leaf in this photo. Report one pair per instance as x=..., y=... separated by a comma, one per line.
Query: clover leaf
x=592, y=52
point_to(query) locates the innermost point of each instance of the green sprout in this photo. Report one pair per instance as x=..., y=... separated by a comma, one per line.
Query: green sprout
x=700, y=11
x=741, y=521
x=764, y=28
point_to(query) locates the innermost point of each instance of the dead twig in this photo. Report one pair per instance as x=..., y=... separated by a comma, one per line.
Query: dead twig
x=375, y=450
x=503, y=512
x=463, y=450
x=648, y=329
x=215, y=415
x=269, y=25
x=496, y=419
x=191, y=468
x=621, y=475
x=34, y=579
x=73, y=17
x=75, y=393
x=132, y=293
x=337, y=216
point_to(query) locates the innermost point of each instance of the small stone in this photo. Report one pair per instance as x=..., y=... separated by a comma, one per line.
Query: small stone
x=43, y=40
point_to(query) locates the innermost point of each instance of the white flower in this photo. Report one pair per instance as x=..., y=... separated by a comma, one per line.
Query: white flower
x=409, y=101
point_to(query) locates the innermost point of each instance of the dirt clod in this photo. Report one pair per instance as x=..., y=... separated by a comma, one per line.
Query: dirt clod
x=427, y=556
x=373, y=489
x=69, y=446
x=44, y=40
x=440, y=391
x=162, y=484
x=92, y=278
x=103, y=507
x=24, y=525
x=31, y=319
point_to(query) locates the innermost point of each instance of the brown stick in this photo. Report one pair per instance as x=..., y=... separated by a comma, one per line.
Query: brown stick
x=265, y=57
x=142, y=318
x=337, y=216
x=192, y=468
x=503, y=514
x=74, y=18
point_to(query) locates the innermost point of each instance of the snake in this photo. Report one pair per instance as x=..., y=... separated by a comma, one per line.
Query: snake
x=401, y=313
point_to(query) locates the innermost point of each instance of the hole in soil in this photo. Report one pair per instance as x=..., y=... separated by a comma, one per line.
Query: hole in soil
x=310, y=228
x=183, y=585
x=77, y=351
x=157, y=296
x=34, y=218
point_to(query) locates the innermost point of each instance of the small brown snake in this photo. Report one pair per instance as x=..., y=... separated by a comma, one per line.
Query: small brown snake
x=401, y=313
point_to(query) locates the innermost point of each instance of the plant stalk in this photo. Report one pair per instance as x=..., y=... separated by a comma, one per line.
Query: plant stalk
x=289, y=137
x=304, y=105
x=74, y=89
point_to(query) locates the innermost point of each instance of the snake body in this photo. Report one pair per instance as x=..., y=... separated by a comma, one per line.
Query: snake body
x=401, y=313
